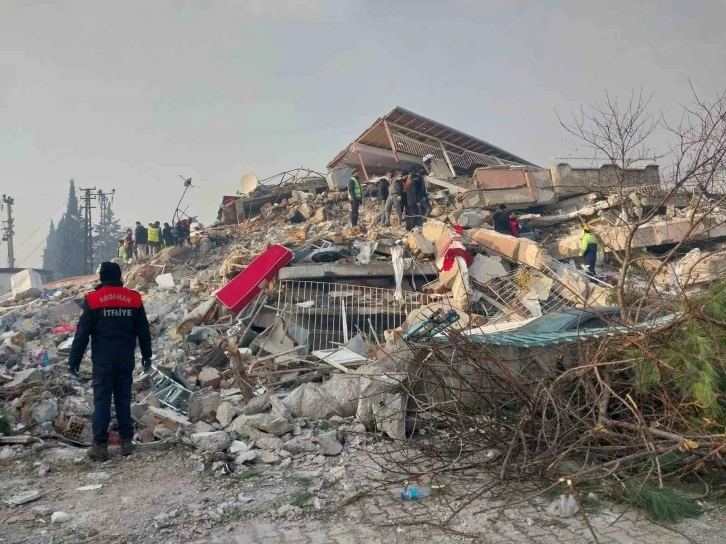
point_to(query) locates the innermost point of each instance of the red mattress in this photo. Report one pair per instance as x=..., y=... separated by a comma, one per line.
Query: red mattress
x=243, y=289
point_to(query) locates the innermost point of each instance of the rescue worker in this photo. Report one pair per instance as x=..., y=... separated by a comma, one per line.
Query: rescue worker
x=168, y=235
x=395, y=199
x=384, y=184
x=588, y=250
x=113, y=317
x=501, y=220
x=141, y=236
x=514, y=225
x=154, y=239
x=121, y=252
x=355, y=194
x=415, y=195
x=129, y=244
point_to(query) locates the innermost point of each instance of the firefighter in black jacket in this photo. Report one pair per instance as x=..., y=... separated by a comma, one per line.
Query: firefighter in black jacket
x=113, y=317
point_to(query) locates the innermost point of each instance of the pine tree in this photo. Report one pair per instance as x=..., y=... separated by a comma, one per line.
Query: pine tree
x=106, y=235
x=49, y=255
x=68, y=252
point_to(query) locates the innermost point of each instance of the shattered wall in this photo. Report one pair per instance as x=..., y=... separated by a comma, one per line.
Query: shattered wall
x=567, y=180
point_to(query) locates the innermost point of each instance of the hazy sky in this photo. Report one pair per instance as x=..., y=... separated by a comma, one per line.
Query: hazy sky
x=128, y=95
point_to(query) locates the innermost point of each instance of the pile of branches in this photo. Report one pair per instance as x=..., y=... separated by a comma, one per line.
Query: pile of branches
x=623, y=415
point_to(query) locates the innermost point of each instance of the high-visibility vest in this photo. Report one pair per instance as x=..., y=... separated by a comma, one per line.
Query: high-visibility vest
x=154, y=234
x=357, y=193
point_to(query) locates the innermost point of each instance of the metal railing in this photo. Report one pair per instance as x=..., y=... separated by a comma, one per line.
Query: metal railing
x=325, y=315
x=465, y=159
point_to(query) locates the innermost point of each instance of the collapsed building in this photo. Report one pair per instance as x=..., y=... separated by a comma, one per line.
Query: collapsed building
x=282, y=307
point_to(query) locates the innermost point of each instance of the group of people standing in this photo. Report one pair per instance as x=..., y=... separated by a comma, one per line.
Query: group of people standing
x=144, y=241
x=403, y=192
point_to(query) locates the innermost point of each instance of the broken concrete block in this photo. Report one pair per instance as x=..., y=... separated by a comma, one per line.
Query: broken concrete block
x=269, y=443
x=226, y=412
x=484, y=269
x=329, y=444
x=518, y=250
x=246, y=457
x=257, y=405
x=203, y=405
x=312, y=401
x=238, y=446
x=470, y=219
x=211, y=442
x=209, y=377
x=419, y=245
x=161, y=432
x=269, y=457
x=169, y=418
x=44, y=411
x=300, y=444
x=432, y=230
x=268, y=423
x=345, y=389
x=138, y=409
x=26, y=284
x=24, y=377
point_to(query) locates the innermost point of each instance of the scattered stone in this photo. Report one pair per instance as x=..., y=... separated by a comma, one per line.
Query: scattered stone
x=203, y=405
x=329, y=445
x=98, y=476
x=7, y=453
x=269, y=443
x=319, y=503
x=226, y=412
x=246, y=457
x=238, y=446
x=312, y=401
x=269, y=458
x=60, y=517
x=25, y=497
x=300, y=444
x=257, y=405
x=162, y=433
x=92, y=487
x=169, y=418
x=268, y=423
x=45, y=411
x=138, y=409
x=564, y=506
x=200, y=427
x=209, y=377
x=22, y=517
x=211, y=442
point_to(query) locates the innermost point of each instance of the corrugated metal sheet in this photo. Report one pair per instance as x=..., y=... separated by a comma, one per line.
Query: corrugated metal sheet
x=542, y=339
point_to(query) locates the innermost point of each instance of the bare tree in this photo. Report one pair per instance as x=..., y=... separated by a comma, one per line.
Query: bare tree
x=621, y=133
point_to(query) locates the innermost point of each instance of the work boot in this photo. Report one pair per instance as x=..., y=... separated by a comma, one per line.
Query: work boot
x=127, y=447
x=98, y=452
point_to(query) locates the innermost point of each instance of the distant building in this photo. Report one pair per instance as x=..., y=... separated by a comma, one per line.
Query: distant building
x=7, y=273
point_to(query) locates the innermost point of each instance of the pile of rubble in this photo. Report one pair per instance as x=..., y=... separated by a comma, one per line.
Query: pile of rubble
x=318, y=331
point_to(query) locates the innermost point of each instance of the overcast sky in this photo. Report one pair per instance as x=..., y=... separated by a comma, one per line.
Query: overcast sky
x=128, y=95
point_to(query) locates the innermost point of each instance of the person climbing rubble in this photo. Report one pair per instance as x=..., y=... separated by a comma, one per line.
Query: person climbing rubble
x=168, y=235
x=154, y=238
x=112, y=317
x=355, y=194
x=588, y=250
x=141, y=237
x=501, y=220
x=417, y=202
x=395, y=199
x=384, y=184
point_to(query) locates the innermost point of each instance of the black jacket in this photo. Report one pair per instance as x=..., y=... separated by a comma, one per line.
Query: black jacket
x=501, y=222
x=383, y=185
x=416, y=190
x=168, y=236
x=113, y=317
x=141, y=235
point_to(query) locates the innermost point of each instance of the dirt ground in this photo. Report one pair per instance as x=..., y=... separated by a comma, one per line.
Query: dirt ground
x=160, y=495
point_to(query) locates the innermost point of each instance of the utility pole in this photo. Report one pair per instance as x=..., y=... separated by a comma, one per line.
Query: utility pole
x=104, y=204
x=87, y=198
x=7, y=202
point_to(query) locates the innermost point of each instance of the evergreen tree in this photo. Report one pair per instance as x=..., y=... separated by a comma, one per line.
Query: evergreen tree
x=68, y=247
x=106, y=235
x=49, y=253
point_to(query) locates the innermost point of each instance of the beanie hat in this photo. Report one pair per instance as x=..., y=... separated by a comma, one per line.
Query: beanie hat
x=109, y=272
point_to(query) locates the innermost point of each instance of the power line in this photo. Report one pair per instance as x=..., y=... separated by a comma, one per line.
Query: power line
x=39, y=226
x=29, y=254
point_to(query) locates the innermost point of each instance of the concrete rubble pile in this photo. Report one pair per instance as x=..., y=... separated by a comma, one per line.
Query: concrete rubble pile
x=323, y=337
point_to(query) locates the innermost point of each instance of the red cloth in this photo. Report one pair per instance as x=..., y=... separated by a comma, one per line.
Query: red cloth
x=514, y=225
x=459, y=229
x=451, y=255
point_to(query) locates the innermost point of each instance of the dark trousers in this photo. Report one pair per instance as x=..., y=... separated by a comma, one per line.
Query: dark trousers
x=113, y=381
x=355, y=204
x=591, y=268
x=413, y=215
x=590, y=257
